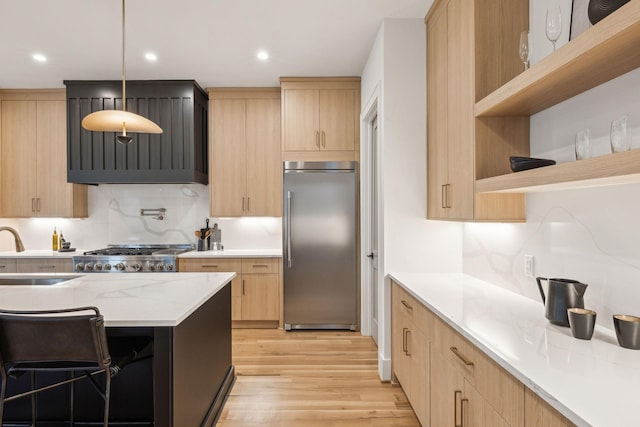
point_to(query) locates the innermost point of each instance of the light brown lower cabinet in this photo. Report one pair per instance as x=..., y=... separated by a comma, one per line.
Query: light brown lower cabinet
x=255, y=291
x=44, y=265
x=452, y=383
x=539, y=413
x=8, y=265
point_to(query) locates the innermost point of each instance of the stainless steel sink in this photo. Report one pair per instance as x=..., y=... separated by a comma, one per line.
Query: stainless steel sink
x=33, y=281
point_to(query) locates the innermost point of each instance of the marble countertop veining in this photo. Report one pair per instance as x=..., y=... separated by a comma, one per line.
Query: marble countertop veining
x=234, y=253
x=140, y=299
x=40, y=254
x=592, y=383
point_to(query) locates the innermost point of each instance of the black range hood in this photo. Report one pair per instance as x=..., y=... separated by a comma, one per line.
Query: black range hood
x=178, y=155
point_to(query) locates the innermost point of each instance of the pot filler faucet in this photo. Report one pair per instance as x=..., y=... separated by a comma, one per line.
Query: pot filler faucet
x=19, y=245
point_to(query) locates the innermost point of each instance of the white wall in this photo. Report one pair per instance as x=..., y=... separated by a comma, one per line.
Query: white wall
x=589, y=235
x=410, y=243
x=114, y=217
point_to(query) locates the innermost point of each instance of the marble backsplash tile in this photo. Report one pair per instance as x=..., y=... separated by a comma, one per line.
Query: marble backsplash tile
x=590, y=235
x=114, y=218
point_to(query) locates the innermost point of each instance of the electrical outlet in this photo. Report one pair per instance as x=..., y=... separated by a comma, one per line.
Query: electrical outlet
x=529, y=265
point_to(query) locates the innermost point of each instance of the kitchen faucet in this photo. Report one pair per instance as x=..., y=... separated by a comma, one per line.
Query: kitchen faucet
x=19, y=245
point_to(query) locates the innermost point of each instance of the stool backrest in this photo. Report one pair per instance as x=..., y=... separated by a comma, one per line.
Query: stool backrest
x=43, y=336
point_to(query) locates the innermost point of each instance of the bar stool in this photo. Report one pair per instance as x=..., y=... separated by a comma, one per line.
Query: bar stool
x=55, y=341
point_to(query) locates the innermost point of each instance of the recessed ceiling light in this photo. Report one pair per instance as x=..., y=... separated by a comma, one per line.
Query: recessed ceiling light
x=151, y=57
x=39, y=57
x=262, y=55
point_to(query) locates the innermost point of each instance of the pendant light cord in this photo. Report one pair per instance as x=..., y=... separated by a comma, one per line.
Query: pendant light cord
x=124, y=71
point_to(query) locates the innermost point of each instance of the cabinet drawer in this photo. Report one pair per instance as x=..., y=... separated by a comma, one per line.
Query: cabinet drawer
x=499, y=388
x=261, y=265
x=44, y=265
x=8, y=266
x=417, y=313
x=210, y=265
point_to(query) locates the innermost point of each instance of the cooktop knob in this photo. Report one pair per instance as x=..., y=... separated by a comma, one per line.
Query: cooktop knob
x=88, y=266
x=169, y=267
x=119, y=266
x=98, y=266
x=136, y=266
x=107, y=266
x=152, y=267
x=160, y=267
x=79, y=266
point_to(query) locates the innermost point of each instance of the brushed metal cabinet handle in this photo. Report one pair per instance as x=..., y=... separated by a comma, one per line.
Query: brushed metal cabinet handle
x=3, y=266
x=33, y=204
x=242, y=286
x=38, y=203
x=448, y=204
x=406, y=305
x=243, y=204
x=408, y=352
x=404, y=340
x=318, y=139
x=260, y=265
x=455, y=408
x=47, y=267
x=248, y=204
x=462, y=404
x=209, y=266
x=442, y=196
x=324, y=140
x=461, y=356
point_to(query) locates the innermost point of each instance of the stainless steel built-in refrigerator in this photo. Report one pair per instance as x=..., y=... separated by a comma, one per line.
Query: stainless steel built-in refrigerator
x=320, y=251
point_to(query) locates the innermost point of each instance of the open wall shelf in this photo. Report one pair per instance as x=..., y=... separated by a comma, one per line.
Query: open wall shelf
x=605, y=51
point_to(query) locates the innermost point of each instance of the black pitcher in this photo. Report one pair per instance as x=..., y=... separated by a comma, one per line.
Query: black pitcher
x=561, y=295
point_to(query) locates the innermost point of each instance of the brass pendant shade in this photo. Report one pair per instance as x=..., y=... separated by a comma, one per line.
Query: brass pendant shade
x=120, y=120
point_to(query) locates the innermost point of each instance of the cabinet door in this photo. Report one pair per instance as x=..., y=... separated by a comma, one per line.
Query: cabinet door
x=263, y=159
x=401, y=366
x=419, y=390
x=447, y=387
x=19, y=163
x=337, y=120
x=54, y=193
x=437, y=138
x=260, y=297
x=477, y=412
x=539, y=413
x=228, y=157
x=301, y=131
x=460, y=110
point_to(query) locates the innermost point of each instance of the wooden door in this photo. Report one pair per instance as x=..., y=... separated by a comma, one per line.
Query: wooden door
x=539, y=413
x=301, y=128
x=263, y=158
x=460, y=109
x=228, y=157
x=19, y=163
x=419, y=390
x=477, y=412
x=54, y=193
x=447, y=387
x=437, y=138
x=337, y=119
x=260, y=296
x=399, y=327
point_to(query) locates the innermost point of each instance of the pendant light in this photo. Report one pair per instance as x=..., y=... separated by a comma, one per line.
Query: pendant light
x=120, y=120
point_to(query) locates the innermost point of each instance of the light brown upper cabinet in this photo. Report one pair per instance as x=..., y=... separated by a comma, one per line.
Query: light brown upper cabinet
x=33, y=155
x=245, y=166
x=470, y=52
x=320, y=118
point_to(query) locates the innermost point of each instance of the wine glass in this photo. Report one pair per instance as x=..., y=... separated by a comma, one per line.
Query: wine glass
x=525, y=48
x=620, y=138
x=583, y=144
x=553, y=27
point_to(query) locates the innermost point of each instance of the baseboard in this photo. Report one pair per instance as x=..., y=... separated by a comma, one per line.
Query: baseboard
x=384, y=368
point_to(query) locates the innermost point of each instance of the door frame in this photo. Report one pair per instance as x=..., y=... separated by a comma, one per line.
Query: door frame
x=369, y=112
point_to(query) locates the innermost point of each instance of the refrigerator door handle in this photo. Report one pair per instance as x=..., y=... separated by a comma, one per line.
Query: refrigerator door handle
x=288, y=213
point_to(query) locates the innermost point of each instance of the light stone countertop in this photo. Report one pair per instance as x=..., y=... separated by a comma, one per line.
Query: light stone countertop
x=140, y=299
x=234, y=253
x=593, y=383
x=40, y=254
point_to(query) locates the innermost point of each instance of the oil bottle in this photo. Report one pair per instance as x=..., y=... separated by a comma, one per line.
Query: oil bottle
x=54, y=240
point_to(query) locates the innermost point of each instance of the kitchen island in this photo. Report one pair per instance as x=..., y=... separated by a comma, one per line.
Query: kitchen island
x=187, y=317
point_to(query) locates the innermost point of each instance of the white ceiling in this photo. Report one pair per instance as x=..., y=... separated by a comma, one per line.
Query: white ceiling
x=211, y=41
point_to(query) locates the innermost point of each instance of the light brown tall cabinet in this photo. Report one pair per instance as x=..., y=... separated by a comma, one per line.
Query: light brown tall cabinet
x=472, y=50
x=245, y=159
x=33, y=156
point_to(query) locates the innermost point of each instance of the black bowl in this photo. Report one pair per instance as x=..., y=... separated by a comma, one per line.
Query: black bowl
x=524, y=163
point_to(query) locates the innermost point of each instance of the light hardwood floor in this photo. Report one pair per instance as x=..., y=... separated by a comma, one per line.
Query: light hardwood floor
x=310, y=379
